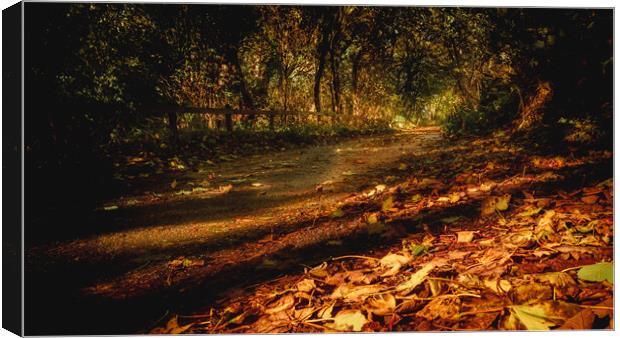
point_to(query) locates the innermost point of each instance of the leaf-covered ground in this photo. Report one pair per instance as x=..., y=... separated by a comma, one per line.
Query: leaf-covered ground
x=482, y=234
x=409, y=231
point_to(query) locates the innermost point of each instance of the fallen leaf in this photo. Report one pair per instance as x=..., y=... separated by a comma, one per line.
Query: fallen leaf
x=387, y=204
x=393, y=262
x=499, y=286
x=284, y=303
x=355, y=293
x=493, y=203
x=381, y=304
x=349, y=320
x=533, y=317
x=557, y=279
x=418, y=249
x=597, y=272
x=445, y=308
x=417, y=278
x=306, y=285
x=337, y=213
x=529, y=211
x=502, y=202
x=303, y=314
x=581, y=321
x=591, y=199
x=319, y=271
x=173, y=184
x=584, y=319
x=531, y=292
x=518, y=239
x=465, y=236
x=172, y=327
x=326, y=312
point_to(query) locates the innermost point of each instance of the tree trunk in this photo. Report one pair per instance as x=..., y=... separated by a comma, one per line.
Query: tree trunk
x=322, y=49
x=335, y=83
x=246, y=97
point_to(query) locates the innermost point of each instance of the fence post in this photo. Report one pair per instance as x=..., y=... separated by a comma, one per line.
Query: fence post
x=172, y=125
x=271, y=118
x=229, y=124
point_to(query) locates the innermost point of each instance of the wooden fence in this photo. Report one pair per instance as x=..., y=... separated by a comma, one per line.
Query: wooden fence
x=173, y=111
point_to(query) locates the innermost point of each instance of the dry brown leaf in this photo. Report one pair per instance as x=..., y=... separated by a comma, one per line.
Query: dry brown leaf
x=499, y=286
x=493, y=203
x=326, y=311
x=355, y=293
x=470, y=280
x=393, y=262
x=381, y=305
x=444, y=308
x=303, y=314
x=591, y=199
x=319, y=271
x=418, y=277
x=282, y=304
x=306, y=285
x=348, y=320
x=172, y=327
x=351, y=276
x=583, y=320
x=557, y=279
x=465, y=236
x=531, y=292
x=518, y=239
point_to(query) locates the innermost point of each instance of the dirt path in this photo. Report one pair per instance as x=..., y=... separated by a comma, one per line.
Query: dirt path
x=239, y=204
x=244, y=198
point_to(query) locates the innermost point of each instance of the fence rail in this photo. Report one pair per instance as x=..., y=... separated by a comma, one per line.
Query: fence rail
x=172, y=112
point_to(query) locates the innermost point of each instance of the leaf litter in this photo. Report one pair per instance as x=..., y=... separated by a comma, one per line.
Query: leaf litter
x=532, y=260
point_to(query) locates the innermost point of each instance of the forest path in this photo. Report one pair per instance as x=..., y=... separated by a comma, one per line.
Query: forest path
x=241, y=199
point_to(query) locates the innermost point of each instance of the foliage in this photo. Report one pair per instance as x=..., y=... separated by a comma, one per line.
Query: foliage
x=473, y=70
x=466, y=67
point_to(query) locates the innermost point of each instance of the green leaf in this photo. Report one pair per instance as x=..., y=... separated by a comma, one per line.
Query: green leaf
x=597, y=272
x=417, y=249
x=533, y=317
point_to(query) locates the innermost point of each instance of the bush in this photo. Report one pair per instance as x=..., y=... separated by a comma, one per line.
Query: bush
x=498, y=106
